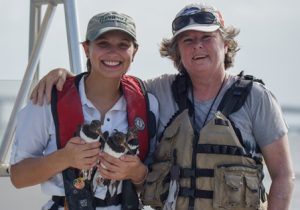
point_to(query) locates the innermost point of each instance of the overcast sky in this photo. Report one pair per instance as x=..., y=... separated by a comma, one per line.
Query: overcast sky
x=269, y=38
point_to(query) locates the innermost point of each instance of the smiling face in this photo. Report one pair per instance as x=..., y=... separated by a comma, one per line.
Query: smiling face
x=202, y=52
x=111, y=54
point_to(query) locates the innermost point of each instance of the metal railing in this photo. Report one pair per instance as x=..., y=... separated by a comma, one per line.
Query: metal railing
x=37, y=35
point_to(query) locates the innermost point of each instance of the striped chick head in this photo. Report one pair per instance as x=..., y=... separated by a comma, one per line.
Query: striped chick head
x=91, y=132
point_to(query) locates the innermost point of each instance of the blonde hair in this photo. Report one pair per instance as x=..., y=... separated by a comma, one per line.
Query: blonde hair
x=169, y=48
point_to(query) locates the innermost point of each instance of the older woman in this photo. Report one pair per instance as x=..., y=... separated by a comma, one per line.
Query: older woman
x=217, y=130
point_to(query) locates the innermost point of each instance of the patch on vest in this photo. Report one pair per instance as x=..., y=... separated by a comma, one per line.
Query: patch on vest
x=83, y=203
x=139, y=123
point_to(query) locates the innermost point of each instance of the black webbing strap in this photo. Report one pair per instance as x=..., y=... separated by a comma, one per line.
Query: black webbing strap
x=221, y=149
x=113, y=201
x=59, y=201
x=164, y=196
x=195, y=193
x=235, y=96
x=198, y=172
x=180, y=90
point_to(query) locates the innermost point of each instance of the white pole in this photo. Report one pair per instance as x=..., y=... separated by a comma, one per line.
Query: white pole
x=73, y=36
x=25, y=85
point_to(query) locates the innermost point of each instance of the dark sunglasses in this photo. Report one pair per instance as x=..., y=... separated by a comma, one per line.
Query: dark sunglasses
x=200, y=18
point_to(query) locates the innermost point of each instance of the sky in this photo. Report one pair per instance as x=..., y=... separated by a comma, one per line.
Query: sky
x=269, y=38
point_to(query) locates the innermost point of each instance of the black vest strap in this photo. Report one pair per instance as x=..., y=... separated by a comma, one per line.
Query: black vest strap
x=198, y=172
x=235, y=97
x=59, y=201
x=195, y=193
x=237, y=94
x=180, y=89
x=113, y=201
x=221, y=149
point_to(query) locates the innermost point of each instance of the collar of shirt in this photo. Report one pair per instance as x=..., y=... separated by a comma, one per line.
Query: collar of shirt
x=120, y=105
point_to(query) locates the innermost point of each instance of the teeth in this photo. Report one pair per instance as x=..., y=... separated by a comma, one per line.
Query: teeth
x=111, y=63
x=199, y=57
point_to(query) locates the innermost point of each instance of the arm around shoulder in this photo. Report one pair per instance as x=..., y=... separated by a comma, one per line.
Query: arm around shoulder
x=55, y=77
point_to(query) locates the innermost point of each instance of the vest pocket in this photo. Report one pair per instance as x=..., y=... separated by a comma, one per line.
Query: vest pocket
x=252, y=191
x=233, y=188
x=156, y=186
x=236, y=187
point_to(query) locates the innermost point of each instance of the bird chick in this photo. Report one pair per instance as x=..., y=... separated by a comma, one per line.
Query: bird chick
x=117, y=145
x=132, y=141
x=90, y=133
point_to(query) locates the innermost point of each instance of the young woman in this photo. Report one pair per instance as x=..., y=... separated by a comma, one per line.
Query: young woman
x=45, y=150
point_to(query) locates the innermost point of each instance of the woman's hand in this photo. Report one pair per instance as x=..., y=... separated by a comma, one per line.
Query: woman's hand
x=54, y=77
x=125, y=167
x=81, y=155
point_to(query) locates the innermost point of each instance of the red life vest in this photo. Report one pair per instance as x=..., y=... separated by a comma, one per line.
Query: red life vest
x=68, y=115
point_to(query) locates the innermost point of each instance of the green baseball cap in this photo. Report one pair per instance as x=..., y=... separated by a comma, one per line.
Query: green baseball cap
x=109, y=21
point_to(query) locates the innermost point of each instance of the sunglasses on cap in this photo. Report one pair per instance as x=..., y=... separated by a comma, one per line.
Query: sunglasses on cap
x=199, y=17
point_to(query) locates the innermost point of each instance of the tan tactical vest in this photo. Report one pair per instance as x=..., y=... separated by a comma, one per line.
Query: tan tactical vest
x=225, y=175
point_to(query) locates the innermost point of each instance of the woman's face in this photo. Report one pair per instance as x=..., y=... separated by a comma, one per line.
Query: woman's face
x=111, y=54
x=202, y=51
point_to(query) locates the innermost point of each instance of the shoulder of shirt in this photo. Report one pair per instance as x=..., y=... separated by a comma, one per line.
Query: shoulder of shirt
x=32, y=106
x=161, y=78
x=34, y=111
x=153, y=102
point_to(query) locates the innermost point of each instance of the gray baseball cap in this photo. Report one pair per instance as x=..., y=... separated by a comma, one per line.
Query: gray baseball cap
x=109, y=21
